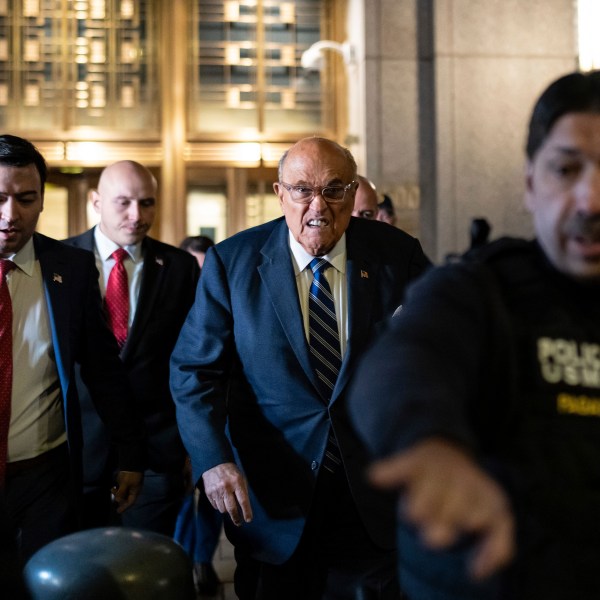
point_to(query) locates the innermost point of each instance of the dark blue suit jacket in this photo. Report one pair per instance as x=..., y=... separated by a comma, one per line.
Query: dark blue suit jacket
x=168, y=285
x=81, y=336
x=242, y=364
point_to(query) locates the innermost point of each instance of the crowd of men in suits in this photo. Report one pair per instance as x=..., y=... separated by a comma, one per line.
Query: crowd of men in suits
x=121, y=369
x=91, y=436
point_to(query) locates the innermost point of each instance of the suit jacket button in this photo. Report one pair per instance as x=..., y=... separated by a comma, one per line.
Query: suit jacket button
x=314, y=465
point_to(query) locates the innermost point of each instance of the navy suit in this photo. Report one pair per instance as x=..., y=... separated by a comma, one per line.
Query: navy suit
x=245, y=388
x=168, y=285
x=80, y=336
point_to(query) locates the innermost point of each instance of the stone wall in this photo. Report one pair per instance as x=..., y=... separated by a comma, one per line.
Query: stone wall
x=449, y=85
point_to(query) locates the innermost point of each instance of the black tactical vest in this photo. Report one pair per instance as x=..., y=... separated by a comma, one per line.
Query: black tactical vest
x=541, y=414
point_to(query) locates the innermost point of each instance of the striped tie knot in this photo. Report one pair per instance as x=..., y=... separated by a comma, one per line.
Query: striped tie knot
x=319, y=265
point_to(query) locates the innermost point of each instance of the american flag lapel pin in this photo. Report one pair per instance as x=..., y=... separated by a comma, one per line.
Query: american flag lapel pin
x=364, y=275
x=57, y=278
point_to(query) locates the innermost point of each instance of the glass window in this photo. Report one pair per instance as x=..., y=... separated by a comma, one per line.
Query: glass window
x=245, y=67
x=262, y=204
x=79, y=64
x=206, y=212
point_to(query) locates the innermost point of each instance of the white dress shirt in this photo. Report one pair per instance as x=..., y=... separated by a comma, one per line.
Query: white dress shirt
x=103, y=248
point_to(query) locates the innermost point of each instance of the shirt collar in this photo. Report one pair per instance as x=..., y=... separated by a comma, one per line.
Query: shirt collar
x=106, y=246
x=25, y=257
x=336, y=258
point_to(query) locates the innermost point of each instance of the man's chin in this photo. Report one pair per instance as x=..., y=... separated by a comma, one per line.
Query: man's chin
x=131, y=239
x=584, y=270
x=10, y=246
x=317, y=245
x=318, y=249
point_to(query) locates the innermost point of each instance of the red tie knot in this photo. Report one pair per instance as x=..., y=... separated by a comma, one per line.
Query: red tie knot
x=119, y=255
x=6, y=266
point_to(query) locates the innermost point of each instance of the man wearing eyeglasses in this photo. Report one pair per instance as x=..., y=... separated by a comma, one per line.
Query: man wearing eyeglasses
x=259, y=375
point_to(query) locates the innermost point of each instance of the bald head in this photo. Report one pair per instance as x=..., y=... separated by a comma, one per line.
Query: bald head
x=304, y=145
x=115, y=174
x=365, y=201
x=125, y=201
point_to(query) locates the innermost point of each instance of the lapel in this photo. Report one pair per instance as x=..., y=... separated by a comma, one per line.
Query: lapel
x=86, y=240
x=277, y=274
x=362, y=270
x=362, y=274
x=58, y=285
x=153, y=273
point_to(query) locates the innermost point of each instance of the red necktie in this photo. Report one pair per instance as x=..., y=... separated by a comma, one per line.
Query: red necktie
x=6, y=363
x=117, y=297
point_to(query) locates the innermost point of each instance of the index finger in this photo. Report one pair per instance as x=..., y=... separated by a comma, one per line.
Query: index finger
x=234, y=502
x=241, y=495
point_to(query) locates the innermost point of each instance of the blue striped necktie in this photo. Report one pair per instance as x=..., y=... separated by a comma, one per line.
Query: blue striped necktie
x=324, y=342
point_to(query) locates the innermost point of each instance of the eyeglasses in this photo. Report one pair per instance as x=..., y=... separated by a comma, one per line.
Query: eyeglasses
x=304, y=194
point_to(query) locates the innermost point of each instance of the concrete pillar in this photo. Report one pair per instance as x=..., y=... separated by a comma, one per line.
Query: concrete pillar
x=449, y=87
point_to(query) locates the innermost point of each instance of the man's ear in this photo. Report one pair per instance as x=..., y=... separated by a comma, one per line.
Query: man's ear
x=278, y=189
x=95, y=200
x=528, y=198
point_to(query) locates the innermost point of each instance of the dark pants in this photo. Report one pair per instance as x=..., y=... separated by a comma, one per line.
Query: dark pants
x=155, y=509
x=40, y=500
x=198, y=528
x=335, y=559
x=12, y=582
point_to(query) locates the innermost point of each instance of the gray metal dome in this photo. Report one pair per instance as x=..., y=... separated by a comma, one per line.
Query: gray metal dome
x=111, y=562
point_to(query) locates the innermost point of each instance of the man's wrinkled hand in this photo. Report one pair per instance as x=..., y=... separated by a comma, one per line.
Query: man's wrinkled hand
x=127, y=489
x=227, y=490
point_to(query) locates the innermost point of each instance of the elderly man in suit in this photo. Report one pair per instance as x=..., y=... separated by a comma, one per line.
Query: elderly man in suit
x=159, y=282
x=259, y=373
x=51, y=319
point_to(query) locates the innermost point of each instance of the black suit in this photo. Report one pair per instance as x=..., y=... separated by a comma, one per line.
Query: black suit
x=80, y=338
x=167, y=291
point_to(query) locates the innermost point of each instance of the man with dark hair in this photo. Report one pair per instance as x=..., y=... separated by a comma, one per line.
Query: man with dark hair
x=197, y=246
x=259, y=373
x=50, y=319
x=484, y=394
x=385, y=211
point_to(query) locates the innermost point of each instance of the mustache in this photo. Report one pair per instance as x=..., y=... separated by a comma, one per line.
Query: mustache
x=585, y=226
